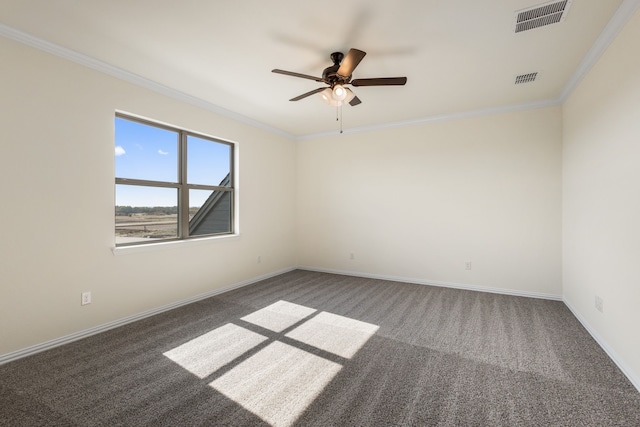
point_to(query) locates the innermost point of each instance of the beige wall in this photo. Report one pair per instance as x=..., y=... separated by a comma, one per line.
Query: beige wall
x=542, y=202
x=418, y=202
x=56, y=182
x=601, y=198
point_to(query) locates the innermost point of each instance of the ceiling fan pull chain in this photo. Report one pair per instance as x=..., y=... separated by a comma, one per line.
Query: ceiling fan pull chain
x=340, y=108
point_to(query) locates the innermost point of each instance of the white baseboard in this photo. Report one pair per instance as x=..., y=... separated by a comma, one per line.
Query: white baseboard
x=47, y=345
x=28, y=351
x=603, y=344
x=436, y=283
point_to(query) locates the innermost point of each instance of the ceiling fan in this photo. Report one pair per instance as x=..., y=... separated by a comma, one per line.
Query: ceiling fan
x=338, y=75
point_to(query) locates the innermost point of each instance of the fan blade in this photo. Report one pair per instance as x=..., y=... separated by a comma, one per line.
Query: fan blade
x=351, y=98
x=304, y=95
x=291, y=73
x=381, y=81
x=350, y=62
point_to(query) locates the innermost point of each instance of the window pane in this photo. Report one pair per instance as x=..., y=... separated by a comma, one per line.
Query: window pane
x=209, y=212
x=145, y=152
x=208, y=162
x=144, y=213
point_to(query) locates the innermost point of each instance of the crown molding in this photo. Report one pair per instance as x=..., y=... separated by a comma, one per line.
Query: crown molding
x=615, y=25
x=617, y=22
x=606, y=37
x=87, y=61
x=438, y=118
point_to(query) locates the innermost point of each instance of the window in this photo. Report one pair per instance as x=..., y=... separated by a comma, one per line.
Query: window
x=171, y=184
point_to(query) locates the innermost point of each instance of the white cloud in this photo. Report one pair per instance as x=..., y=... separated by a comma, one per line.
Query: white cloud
x=164, y=153
x=119, y=151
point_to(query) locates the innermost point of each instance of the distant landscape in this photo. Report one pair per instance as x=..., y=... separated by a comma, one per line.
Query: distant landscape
x=148, y=210
x=146, y=222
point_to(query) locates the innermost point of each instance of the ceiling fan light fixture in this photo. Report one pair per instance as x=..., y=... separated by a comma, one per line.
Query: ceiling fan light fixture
x=339, y=74
x=327, y=97
x=339, y=93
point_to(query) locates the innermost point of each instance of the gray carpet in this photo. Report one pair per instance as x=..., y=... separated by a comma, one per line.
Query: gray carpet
x=315, y=349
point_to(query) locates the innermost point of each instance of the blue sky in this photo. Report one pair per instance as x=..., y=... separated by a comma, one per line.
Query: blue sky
x=146, y=152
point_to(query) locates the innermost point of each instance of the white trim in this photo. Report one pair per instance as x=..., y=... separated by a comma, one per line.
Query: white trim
x=172, y=244
x=48, y=345
x=602, y=343
x=617, y=22
x=103, y=67
x=87, y=61
x=439, y=118
x=415, y=281
x=608, y=35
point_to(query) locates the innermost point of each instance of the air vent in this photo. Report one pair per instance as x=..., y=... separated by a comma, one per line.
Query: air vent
x=526, y=78
x=539, y=16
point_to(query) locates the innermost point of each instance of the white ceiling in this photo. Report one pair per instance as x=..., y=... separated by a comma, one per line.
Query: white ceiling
x=459, y=56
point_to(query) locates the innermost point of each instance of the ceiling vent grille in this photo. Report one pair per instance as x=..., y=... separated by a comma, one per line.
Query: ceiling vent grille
x=526, y=78
x=539, y=16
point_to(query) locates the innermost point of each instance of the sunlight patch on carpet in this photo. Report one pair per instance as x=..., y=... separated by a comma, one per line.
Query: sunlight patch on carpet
x=207, y=353
x=336, y=334
x=279, y=316
x=275, y=380
x=278, y=383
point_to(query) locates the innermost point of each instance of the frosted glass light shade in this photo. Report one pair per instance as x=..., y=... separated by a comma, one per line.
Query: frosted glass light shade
x=339, y=93
x=327, y=97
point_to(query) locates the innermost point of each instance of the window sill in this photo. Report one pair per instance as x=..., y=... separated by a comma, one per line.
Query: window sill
x=160, y=246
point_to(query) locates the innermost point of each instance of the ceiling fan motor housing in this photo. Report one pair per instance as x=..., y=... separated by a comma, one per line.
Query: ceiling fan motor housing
x=330, y=74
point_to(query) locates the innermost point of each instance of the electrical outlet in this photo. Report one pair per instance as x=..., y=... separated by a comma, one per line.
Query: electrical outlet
x=86, y=298
x=467, y=265
x=599, y=304
x=352, y=256
x=259, y=259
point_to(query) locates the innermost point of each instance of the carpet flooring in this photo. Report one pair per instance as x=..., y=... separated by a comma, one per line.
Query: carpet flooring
x=315, y=349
